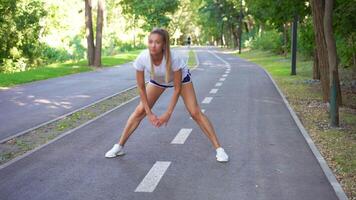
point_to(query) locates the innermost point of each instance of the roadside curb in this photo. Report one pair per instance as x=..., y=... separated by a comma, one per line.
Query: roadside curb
x=76, y=128
x=323, y=164
x=63, y=116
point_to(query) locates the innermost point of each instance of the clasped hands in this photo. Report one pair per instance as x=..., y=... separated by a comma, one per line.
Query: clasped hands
x=159, y=121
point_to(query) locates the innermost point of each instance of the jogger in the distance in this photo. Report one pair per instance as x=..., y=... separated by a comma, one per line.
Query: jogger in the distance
x=167, y=70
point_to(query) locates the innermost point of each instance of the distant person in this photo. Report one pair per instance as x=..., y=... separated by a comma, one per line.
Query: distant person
x=167, y=70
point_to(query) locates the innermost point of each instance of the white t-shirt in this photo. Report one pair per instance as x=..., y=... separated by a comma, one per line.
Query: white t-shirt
x=143, y=63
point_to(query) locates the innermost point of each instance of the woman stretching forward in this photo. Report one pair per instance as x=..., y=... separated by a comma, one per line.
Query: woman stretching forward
x=167, y=70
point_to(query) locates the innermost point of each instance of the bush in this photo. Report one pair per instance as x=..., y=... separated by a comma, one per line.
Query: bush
x=11, y=66
x=269, y=40
x=306, y=41
x=78, y=50
x=51, y=54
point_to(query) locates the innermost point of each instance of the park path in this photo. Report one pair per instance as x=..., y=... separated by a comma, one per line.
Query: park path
x=269, y=157
x=26, y=106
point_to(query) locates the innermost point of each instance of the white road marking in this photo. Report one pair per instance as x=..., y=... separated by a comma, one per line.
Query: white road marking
x=227, y=72
x=207, y=100
x=224, y=75
x=218, y=84
x=182, y=136
x=213, y=91
x=222, y=79
x=152, y=178
x=227, y=64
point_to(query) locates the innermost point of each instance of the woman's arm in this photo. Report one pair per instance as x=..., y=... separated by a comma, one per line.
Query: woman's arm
x=140, y=78
x=177, y=79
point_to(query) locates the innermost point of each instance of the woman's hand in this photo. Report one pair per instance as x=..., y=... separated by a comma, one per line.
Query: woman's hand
x=154, y=120
x=163, y=119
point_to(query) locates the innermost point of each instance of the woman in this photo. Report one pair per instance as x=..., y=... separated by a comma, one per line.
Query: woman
x=167, y=70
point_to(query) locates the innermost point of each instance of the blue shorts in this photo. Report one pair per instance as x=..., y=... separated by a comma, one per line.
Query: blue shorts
x=187, y=79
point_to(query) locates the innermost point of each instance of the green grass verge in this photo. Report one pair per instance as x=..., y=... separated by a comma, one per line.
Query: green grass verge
x=62, y=69
x=337, y=145
x=192, y=59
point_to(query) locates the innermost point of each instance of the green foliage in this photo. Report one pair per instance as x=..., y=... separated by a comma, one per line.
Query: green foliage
x=305, y=39
x=346, y=49
x=78, y=50
x=153, y=12
x=19, y=33
x=51, y=54
x=345, y=29
x=115, y=46
x=218, y=18
x=276, y=13
x=269, y=40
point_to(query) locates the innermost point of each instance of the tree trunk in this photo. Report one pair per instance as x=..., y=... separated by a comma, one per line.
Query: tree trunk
x=99, y=32
x=285, y=37
x=89, y=32
x=316, y=71
x=235, y=36
x=317, y=7
x=353, y=63
x=331, y=47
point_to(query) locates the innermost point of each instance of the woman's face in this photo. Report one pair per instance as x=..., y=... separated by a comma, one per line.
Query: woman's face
x=155, y=44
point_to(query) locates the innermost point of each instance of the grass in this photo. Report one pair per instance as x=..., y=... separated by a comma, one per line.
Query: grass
x=192, y=60
x=62, y=69
x=44, y=134
x=337, y=145
x=24, y=143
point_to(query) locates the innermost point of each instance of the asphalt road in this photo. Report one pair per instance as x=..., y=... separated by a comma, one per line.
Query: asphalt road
x=269, y=158
x=26, y=106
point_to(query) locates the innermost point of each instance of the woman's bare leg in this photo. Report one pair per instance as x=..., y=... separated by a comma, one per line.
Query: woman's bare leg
x=153, y=93
x=190, y=101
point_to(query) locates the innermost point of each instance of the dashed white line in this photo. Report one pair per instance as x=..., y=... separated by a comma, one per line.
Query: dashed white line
x=218, y=84
x=152, y=178
x=182, y=136
x=222, y=79
x=207, y=100
x=213, y=91
x=224, y=75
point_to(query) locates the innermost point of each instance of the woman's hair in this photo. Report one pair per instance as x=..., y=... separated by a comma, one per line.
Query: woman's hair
x=166, y=52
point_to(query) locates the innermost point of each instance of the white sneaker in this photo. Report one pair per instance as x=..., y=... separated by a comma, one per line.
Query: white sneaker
x=221, y=155
x=116, y=150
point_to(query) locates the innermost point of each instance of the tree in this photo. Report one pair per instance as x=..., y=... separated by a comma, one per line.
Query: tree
x=317, y=7
x=278, y=14
x=332, y=58
x=153, y=12
x=20, y=30
x=94, y=50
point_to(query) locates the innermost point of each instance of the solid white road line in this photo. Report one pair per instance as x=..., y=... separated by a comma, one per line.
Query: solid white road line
x=151, y=180
x=207, y=100
x=182, y=136
x=213, y=91
x=218, y=57
x=222, y=79
x=218, y=84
